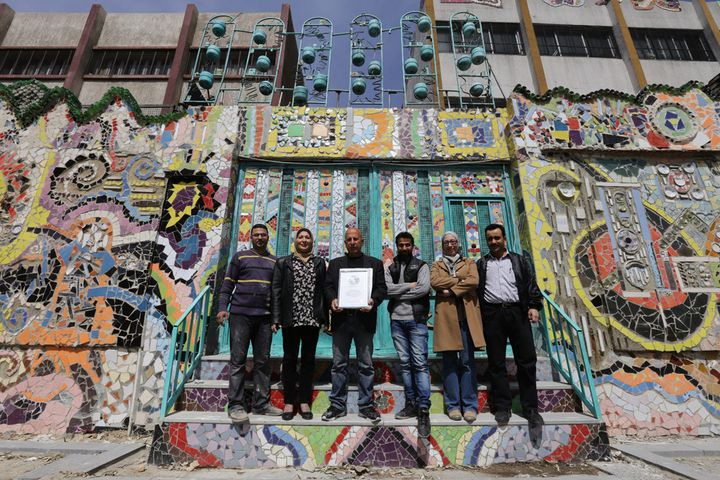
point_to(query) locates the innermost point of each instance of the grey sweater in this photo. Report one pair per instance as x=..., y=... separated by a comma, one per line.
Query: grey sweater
x=404, y=295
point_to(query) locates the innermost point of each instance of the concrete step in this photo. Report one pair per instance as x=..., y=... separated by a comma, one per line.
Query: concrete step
x=211, y=396
x=213, y=441
x=215, y=367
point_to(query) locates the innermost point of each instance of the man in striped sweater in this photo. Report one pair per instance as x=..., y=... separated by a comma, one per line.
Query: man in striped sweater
x=246, y=289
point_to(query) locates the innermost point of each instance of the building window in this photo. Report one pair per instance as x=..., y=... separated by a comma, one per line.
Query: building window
x=503, y=38
x=665, y=44
x=111, y=62
x=35, y=62
x=500, y=38
x=576, y=41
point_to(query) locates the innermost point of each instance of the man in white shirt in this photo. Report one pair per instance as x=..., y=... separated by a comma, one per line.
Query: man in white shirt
x=510, y=301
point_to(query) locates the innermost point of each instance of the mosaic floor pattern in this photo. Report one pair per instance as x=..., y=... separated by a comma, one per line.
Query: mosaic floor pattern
x=265, y=446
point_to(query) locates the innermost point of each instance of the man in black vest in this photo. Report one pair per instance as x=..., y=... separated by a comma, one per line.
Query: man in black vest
x=350, y=325
x=408, y=283
x=510, y=300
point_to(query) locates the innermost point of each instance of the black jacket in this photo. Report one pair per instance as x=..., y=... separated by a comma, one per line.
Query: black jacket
x=379, y=289
x=283, y=285
x=528, y=290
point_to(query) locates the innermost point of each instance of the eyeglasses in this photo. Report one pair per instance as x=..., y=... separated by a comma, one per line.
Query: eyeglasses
x=450, y=242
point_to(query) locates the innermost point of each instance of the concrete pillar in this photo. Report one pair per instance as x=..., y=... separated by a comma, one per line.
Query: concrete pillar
x=83, y=52
x=627, y=46
x=710, y=26
x=6, y=17
x=288, y=62
x=182, y=53
x=538, y=70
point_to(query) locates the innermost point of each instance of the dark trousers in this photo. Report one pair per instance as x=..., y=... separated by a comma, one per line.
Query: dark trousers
x=501, y=324
x=292, y=338
x=352, y=330
x=243, y=330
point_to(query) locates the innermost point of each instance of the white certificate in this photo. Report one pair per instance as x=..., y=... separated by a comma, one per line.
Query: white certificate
x=355, y=287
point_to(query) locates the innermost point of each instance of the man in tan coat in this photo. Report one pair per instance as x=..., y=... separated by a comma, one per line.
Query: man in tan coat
x=458, y=327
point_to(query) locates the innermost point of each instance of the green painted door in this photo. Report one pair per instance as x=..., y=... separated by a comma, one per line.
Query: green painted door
x=468, y=217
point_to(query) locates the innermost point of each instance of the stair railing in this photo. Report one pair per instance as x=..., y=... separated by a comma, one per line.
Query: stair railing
x=567, y=348
x=224, y=338
x=186, y=348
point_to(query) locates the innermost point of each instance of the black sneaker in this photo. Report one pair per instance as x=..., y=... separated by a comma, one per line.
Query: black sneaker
x=502, y=417
x=332, y=413
x=370, y=413
x=423, y=416
x=408, y=412
x=535, y=421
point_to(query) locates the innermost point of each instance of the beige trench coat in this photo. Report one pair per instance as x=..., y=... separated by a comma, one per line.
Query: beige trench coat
x=463, y=284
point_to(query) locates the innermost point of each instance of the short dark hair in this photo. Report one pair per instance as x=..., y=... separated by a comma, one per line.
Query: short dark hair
x=405, y=235
x=495, y=226
x=260, y=225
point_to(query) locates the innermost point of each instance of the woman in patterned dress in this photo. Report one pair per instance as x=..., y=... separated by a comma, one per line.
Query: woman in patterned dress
x=298, y=307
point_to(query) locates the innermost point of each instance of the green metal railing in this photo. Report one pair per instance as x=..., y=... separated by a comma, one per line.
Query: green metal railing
x=567, y=348
x=224, y=338
x=186, y=348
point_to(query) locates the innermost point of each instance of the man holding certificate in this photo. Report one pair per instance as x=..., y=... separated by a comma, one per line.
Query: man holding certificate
x=354, y=287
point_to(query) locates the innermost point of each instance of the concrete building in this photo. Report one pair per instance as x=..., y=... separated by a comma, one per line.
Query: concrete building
x=540, y=44
x=150, y=54
x=585, y=45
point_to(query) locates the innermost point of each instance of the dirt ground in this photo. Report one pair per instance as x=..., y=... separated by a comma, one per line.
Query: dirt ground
x=13, y=465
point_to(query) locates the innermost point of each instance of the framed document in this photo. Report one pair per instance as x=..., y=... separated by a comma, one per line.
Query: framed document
x=355, y=287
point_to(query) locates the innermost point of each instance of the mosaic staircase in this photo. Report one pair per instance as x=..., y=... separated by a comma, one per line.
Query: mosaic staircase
x=199, y=430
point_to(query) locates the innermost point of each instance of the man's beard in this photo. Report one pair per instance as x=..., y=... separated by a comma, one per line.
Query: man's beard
x=404, y=257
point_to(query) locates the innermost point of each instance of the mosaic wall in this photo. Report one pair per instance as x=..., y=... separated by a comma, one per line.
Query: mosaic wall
x=660, y=122
x=97, y=260
x=663, y=396
x=373, y=133
x=108, y=230
x=196, y=154
x=330, y=200
x=630, y=247
x=56, y=390
x=267, y=446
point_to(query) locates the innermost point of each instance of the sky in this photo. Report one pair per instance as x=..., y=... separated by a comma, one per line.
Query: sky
x=340, y=12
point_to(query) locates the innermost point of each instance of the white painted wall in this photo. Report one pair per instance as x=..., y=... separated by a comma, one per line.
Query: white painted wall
x=145, y=92
x=141, y=29
x=676, y=73
x=508, y=13
x=45, y=29
x=659, y=18
x=584, y=75
x=586, y=14
x=509, y=70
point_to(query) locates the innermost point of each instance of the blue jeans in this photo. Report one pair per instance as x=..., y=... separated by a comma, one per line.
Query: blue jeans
x=411, y=342
x=459, y=378
x=348, y=331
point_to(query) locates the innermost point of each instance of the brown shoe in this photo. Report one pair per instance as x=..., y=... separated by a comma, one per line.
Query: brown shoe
x=455, y=415
x=470, y=416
